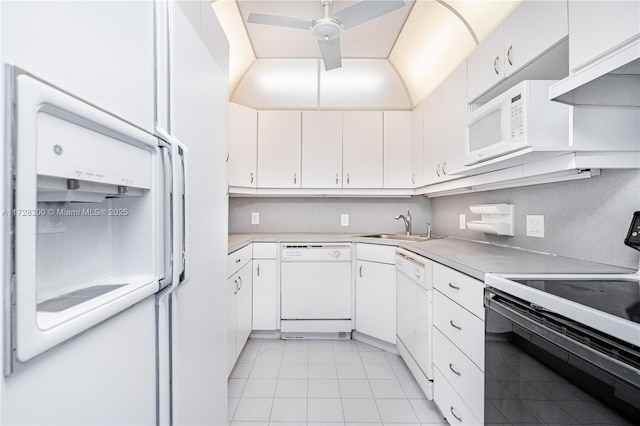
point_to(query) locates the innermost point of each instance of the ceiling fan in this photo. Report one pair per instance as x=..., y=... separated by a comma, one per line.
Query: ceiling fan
x=327, y=29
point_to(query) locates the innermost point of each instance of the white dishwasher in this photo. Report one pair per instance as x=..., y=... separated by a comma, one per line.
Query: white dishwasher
x=316, y=290
x=415, y=316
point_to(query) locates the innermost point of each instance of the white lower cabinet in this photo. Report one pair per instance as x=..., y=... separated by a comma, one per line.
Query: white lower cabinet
x=265, y=286
x=239, y=304
x=376, y=292
x=450, y=403
x=458, y=346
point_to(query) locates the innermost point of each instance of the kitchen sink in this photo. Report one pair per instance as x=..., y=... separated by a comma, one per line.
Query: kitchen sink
x=402, y=237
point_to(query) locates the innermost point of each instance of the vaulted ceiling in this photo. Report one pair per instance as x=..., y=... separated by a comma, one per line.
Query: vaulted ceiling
x=419, y=43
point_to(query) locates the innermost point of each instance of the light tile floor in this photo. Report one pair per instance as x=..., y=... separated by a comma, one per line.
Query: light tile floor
x=308, y=382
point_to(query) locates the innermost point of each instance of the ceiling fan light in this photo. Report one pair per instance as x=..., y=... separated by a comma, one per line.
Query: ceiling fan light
x=326, y=29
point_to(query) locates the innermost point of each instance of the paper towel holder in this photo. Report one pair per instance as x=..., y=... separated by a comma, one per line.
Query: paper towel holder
x=496, y=219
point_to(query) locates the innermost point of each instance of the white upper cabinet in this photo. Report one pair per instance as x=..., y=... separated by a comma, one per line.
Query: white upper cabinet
x=398, y=165
x=417, y=141
x=243, y=146
x=433, y=137
x=322, y=149
x=599, y=26
x=279, y=142
x=101, y=52
x=531, y=29
x=486, y=63
x=454, y=119
x=362, y=149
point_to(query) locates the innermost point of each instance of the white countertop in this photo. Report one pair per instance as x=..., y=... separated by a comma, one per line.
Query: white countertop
x=470, y=257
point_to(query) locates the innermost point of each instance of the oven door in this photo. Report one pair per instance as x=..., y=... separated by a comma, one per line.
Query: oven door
x=541, y=368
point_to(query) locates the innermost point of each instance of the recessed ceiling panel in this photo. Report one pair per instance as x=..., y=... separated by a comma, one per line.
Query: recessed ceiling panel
x=372, y=39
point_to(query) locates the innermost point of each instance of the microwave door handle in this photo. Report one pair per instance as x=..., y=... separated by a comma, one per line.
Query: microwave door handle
x=165, y=151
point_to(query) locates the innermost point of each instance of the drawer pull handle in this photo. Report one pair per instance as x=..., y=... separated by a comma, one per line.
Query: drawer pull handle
x=360, y=271
x=258, y=269
x=238, y=260
x=454, y=325
x=455, y=287
x=456, y=372
x=455, y=415
x=237, y=288
x=495, y=65
x=509, y=55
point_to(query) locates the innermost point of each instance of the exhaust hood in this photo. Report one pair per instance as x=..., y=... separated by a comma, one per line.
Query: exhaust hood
x=610, y=81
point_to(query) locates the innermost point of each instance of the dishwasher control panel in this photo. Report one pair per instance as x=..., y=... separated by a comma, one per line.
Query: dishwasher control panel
x=315, y=252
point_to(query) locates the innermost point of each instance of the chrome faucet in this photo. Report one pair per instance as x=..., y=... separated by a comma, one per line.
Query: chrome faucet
x=407, y=221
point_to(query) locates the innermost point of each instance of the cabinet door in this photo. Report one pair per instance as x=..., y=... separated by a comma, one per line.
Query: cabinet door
x=417, y=141
x=242, y=146
x=454, y=121
x=376, y=300
x=397, y=149
x=531, y=29
x=232, y=290
x=486, y=64
x=599, y=26
x=244, y=299
x=433, y=137
x=362, y=149
x=322, y=149
x=264, y=294
x=279, y=142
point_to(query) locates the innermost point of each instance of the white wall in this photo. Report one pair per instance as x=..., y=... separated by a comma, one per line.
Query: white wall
x=586, y=219
x=366, y=215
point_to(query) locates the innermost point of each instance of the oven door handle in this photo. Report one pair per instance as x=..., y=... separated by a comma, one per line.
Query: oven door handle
x=571, y=346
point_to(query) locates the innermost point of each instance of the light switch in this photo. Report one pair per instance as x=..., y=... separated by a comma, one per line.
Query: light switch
x=255, y=218
x=344, y=220
x=463, y=222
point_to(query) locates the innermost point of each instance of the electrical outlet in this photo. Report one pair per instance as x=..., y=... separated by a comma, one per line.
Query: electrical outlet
x=344, y=220
x=535, y=225
x=255, y=218
x=463, y=221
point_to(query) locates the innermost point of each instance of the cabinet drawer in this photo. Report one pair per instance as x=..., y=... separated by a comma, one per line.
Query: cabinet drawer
x=450, y=403
x=265, y=250
x=376, y=253
x=460, y=288
x=465, y=377
x=238, y=259
x=464, y=329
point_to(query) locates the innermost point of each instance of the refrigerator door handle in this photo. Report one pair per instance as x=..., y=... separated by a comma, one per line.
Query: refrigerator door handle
x=177, y=222
x=165, y=149
x=183, y=154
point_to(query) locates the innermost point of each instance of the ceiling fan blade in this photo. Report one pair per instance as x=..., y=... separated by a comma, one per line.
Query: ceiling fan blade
x=331, y=56
x=365, y=11
x=280, y=21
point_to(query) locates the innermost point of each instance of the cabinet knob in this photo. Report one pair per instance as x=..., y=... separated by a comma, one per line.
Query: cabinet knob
x=454, y=325
x=444, y=168
x=438, y=170
x=413, y=178
x=258, y=269
x=348, y=179
x=509, y=55
x=295, y=178
x=251, y=178
x=495, y=64
x=456, y=372
x=455, y=415
x=336, y=178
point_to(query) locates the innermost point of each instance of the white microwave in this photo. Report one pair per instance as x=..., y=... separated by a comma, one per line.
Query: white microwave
x=520, y=118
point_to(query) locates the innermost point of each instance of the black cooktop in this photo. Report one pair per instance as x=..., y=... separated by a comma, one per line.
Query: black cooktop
x=616, y=297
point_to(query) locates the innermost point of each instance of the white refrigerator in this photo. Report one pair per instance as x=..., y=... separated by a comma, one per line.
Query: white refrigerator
x=114, y=213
